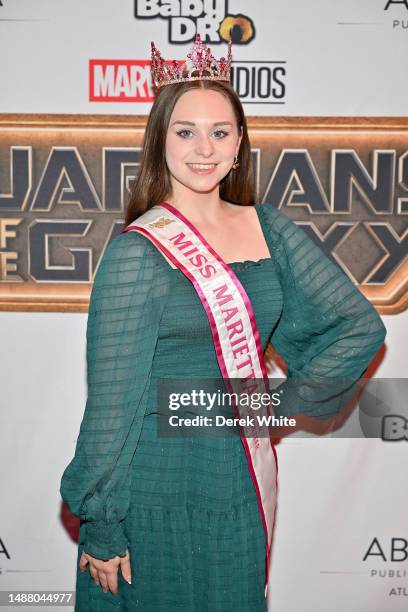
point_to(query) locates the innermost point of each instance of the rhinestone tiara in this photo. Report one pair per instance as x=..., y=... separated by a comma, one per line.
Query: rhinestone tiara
x=201, y=64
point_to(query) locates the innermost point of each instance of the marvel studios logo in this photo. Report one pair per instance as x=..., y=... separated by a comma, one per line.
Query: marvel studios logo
x=112, y=80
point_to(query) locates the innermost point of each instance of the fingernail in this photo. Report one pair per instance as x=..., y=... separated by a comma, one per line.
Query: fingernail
x=129, y=581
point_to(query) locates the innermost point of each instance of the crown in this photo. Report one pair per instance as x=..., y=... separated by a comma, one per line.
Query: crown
x=201, y=64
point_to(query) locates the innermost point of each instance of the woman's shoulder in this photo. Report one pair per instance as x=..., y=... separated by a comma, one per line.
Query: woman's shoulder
x=129, y=256
x=284, y=234
x=132, y=246
x=132, y=242
x=276, y=219
x=289, y=241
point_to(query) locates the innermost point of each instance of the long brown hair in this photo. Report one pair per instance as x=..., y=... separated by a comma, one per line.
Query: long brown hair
x=153, y=183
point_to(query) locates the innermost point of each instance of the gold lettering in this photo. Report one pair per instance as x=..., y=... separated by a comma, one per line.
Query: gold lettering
x=6, y=233
x=7, y=266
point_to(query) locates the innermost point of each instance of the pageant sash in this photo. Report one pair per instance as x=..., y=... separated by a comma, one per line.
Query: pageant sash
x=235, y=334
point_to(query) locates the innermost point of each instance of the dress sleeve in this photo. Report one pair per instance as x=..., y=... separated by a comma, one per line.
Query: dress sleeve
x=328, y=332
x=126, y=304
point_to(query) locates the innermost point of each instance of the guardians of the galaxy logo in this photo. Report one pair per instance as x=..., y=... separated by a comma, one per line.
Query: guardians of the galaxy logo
x=64, y=186
x=209, y=18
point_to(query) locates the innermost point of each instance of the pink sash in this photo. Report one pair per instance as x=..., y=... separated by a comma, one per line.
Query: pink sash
x=235, y=334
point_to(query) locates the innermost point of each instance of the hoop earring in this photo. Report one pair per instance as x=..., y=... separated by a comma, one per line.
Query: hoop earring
x=235, y=165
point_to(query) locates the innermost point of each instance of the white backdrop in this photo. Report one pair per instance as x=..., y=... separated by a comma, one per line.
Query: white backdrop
x=335, y=62
x=336, y=496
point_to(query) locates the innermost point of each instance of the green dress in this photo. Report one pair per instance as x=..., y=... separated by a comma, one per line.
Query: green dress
x=186, y=507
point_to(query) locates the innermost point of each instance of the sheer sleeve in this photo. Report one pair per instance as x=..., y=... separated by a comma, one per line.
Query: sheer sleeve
x=328, y=332
x=126, y=304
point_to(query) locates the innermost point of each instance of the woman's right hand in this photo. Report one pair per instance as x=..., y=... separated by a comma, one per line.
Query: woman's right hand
x=105, y=573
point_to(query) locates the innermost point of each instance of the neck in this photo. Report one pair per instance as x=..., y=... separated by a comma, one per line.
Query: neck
x=199, y=208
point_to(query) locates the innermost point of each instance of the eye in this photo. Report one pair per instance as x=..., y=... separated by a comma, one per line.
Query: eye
x=181, y=132
x=223, y=132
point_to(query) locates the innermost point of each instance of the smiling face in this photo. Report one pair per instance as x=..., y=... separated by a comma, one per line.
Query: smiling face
x=202, y=140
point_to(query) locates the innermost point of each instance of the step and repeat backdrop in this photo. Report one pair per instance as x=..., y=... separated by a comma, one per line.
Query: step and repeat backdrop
x=323, y=86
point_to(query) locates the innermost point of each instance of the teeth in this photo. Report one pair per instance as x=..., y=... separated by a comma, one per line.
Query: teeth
x=202, y=166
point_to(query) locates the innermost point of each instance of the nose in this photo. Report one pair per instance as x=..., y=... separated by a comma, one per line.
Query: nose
x=204, y=146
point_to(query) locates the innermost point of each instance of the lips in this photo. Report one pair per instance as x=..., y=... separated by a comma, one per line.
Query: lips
x=202, y=168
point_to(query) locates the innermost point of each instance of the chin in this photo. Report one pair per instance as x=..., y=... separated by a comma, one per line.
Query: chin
x=203, y=188
x=206, y=181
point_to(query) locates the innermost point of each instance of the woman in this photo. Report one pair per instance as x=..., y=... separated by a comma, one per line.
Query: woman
x=177, y=523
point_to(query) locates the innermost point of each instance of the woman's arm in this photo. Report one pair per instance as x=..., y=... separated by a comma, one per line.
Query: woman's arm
x=126, y=305
x=328, y=332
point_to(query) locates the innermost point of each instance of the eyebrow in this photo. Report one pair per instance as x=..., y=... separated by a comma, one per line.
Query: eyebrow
x=191, y=123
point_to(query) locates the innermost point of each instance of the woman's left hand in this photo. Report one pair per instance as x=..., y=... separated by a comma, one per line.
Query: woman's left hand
x=105, y=573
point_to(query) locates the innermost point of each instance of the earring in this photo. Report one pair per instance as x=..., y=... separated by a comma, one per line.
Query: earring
x=236, y=163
